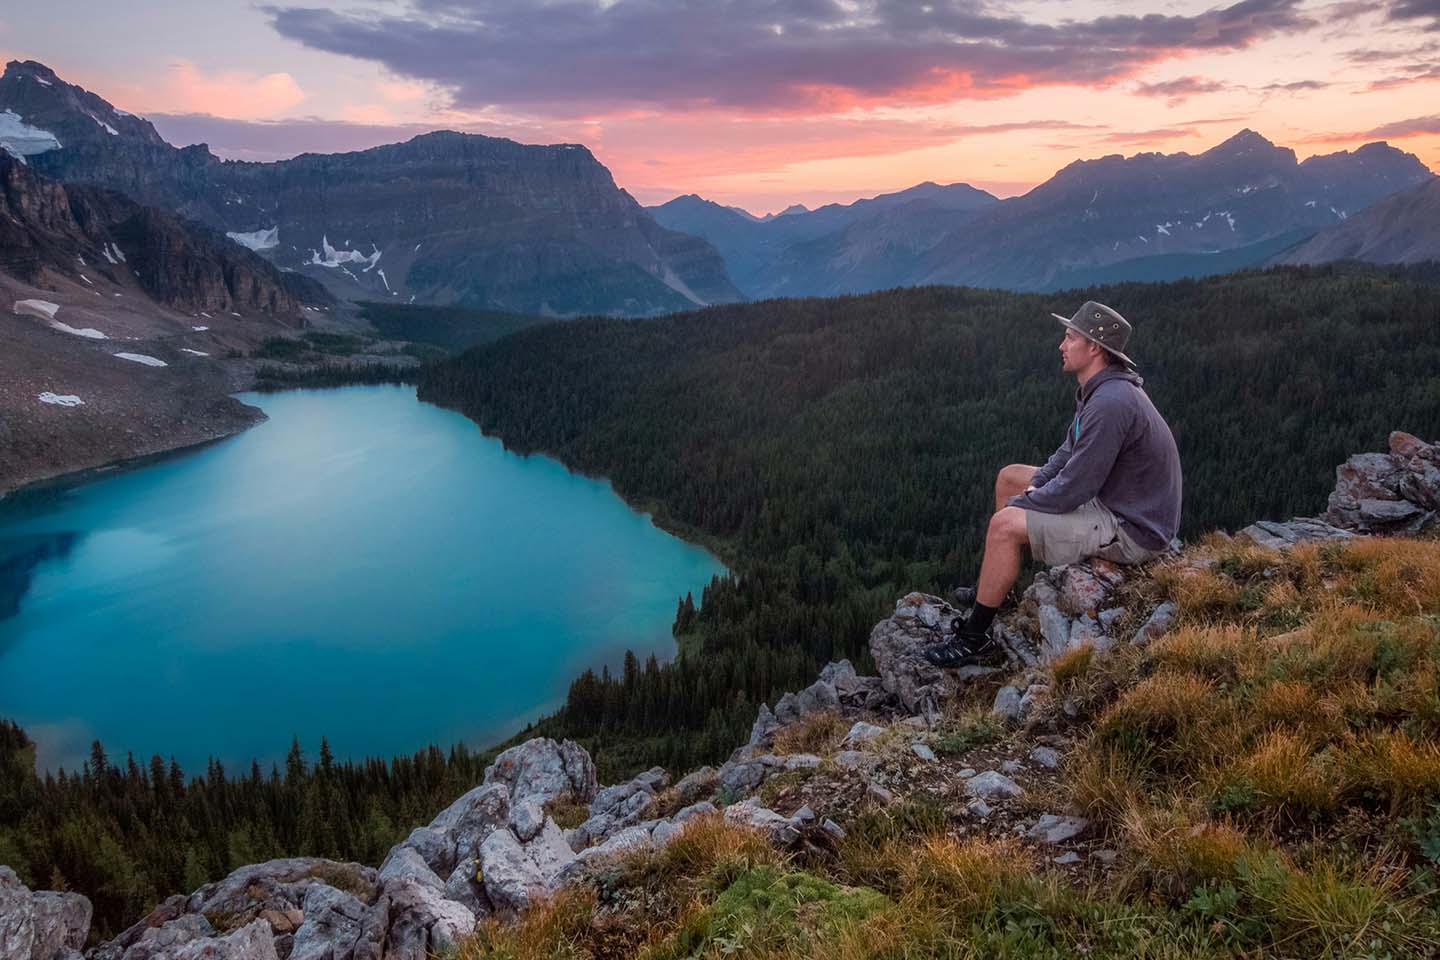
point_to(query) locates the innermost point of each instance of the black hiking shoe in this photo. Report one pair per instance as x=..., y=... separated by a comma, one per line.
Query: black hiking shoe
x=967, y=649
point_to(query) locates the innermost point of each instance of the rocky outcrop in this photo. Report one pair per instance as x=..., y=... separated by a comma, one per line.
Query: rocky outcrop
x=543, y=770
x=1396, y=492
x=40, y=925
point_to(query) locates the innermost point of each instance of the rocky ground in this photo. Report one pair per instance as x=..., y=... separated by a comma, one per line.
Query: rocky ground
x=974, y=763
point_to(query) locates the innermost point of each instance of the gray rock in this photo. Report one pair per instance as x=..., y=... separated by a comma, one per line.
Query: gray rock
x=741, y=779
x=695, y=786
x=1086, y=630
x=477, y=814
x=923, y=752
x=1054, y=631
x=816, y=698
x=464, y=887
x=802, y=761
x=405, y=863
x=1007, y=704
x=1082, y=593
x=978, y=808
x=159, y=940
x=373, y=927
x=527, y=818
x=762, y=731
x=1052, y=829
x=1011, y=766
x=1046, y=757
x=750, y=813
x=851, y=759
x=1278, y=536
x=434, y=847
x=898, y=645
x=1158, y=624
x=1106, y=856
x=542, y=768
x=1107, y=618
x=276, y=884
x=334, y=922
x=993, y=785
x=62, y=922
x=422, y=921
x=666, y=831
x=966, y=773
x=254, y=941
x=861, y=732
x=17, y=918
x=1068, y=857
x=549, y=851
x=880, y=794
x=1035, y=695
x=512, y=880
x=833, y=828
x=694, y=810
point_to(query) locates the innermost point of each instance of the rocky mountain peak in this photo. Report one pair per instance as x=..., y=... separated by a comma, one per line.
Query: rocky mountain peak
x=71, y=114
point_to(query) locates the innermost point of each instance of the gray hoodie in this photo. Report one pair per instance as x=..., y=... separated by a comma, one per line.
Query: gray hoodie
x=1119, y=449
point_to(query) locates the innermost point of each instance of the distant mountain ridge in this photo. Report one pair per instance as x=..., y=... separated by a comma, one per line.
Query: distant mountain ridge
x=1405, y=228
x=836, y=248
x=1151, y=216
x=445, y=218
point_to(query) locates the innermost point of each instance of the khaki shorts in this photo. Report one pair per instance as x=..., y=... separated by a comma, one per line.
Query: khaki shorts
x=1089, y=530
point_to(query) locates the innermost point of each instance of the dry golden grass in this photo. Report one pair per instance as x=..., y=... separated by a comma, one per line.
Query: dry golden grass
x=819, y=733
x=1180, y=848
x=1072, y=665
x=1288, y=776
x=555, y=930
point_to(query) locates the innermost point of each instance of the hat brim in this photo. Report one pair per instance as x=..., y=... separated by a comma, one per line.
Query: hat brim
x=1066, y=321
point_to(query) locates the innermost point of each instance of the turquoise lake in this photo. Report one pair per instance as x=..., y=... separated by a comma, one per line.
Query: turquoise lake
x=361, y=566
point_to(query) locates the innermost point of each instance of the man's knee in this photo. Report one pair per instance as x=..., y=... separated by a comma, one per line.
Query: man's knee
x=1015, y=473
x=1008, y=524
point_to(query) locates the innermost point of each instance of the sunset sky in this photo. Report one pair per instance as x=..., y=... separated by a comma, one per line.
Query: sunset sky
x=762, y=103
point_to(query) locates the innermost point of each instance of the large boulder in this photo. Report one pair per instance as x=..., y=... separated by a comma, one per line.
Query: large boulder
x=41, y=925
x=546, y=770
x=512, y=880
x=898, y=645
x=334, y=923
x=1394, y=492
x=254, y=941
x=422, y=921
x=466, y=823
x=279, y=885
x=404, y=863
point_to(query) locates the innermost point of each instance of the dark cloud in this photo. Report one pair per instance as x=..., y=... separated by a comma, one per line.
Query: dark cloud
x=1417, y=10
x=1179, y=88
x=564, y=57
x=1399, y=129
x=1391, y=54
x=1419, y=73
x=1295, y=86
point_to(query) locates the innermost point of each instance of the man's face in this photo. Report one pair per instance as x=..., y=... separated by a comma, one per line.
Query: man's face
x=1075, y=352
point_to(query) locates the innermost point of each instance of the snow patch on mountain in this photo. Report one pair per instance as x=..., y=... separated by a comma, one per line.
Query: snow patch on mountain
x=61, y=400
x=258, y=240
x=40, y=309
x=142, y=358
x=89, y=333
x=108, y=129
x=328, y=256
x=22, y=140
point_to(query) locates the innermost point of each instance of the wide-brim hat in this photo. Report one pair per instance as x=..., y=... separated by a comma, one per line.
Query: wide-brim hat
x=1098, y=323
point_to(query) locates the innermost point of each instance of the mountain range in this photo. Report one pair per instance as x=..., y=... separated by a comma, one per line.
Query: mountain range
x=1151, y=216
x=445, y=218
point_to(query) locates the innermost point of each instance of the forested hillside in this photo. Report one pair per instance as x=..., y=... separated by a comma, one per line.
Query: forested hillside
x=839, y=452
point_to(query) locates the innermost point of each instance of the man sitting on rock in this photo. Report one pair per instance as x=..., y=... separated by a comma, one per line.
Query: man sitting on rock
x=1112, y=489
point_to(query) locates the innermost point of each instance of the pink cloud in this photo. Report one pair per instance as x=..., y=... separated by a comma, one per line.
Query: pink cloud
x=188, y=88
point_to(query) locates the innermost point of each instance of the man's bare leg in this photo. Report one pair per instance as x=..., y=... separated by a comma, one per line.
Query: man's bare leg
x=1010, y=481
x=1004, y=541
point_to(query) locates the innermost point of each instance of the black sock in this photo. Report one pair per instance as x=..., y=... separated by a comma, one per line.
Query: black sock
x=980, y=618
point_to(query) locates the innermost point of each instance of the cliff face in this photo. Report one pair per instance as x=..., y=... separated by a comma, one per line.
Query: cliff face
x=444, y=218
x=48, y=230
